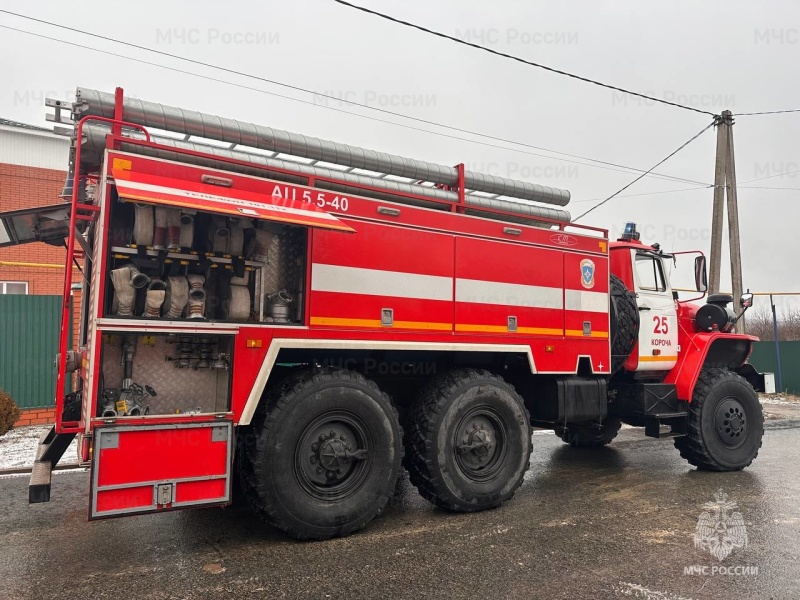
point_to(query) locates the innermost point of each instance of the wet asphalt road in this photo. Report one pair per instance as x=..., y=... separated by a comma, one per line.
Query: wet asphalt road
x=611, y=523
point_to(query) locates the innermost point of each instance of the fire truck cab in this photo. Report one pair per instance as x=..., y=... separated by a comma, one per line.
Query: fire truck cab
x=302, y=330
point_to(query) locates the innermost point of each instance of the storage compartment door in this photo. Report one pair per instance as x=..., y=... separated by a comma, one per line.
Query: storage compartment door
x=217, y=192
x=151, y=468
x=384, y=278
x=504, y=288
x=48, y=224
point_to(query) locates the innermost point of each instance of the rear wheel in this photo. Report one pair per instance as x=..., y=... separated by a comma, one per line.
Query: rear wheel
x=726, y=423
x=325, y=457
x=589, y=435
x=468, y=441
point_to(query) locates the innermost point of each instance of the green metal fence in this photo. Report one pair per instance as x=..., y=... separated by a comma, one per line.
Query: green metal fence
x=29, y=329
x=763, y=359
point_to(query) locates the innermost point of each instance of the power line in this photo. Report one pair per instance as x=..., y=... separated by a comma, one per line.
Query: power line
x=701, y=187
x=691, y=189
x=662, y=161
x=767, y=112
x=520, y=60
x=545, y=67
x=771, y=176
x=756, y=187
x=606, y=164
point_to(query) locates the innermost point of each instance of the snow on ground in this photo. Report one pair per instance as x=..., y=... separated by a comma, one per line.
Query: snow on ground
x=785, y=399
x=18, y=447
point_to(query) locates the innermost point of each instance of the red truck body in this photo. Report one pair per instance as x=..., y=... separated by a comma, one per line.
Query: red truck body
x=398, y=290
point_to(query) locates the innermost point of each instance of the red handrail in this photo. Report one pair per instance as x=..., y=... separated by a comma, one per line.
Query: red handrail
x=452, y=206
x=66, y=312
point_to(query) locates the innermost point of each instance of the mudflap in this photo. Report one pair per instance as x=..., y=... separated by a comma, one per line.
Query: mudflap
x=160, y=467
x=753, y=377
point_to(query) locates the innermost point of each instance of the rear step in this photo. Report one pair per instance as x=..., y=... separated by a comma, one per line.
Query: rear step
x=51, y=448
x=678, y=423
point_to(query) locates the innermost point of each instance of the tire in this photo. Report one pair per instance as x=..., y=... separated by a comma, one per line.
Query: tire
x=726, y=423
x=589, y=435
x=624, y=322
x=323, y=457
x=466, y=408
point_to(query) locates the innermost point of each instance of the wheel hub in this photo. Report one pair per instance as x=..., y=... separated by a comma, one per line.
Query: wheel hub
x=332, y=453
x=730, y=422
x=329, y=462
x=480, y=444
x=477, y=443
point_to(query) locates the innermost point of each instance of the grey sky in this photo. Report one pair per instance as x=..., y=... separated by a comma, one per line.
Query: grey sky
x=738, y=55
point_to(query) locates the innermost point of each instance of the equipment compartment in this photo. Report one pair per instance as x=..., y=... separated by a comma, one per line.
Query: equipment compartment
x=148, y=468
x=166, y=374
x=203, y=266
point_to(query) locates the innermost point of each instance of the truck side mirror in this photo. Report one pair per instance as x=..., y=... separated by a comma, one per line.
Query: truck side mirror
x=746, y=301
x=700, y=276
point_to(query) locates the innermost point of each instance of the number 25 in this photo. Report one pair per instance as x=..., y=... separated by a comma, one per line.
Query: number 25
x=662, y=326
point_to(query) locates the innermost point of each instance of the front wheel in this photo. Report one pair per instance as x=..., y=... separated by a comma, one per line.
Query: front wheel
x=726, y=423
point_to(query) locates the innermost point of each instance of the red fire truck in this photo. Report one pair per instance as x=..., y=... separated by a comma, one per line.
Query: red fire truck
x=308, y=317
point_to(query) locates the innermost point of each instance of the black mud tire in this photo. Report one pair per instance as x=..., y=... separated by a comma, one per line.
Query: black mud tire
x=624, y=322
x=276, y=470
x=589, y=435
x=726, y=423
x=453, y=412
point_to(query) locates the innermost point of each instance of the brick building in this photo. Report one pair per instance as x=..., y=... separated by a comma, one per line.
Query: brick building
x=33, y=164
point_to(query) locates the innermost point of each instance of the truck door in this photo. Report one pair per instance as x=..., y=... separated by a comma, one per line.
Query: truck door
x=658, y=321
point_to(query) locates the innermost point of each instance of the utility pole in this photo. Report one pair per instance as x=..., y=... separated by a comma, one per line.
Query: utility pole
x=733, y=223
x=778, y=370
x=717, y=219
x=725, y=185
